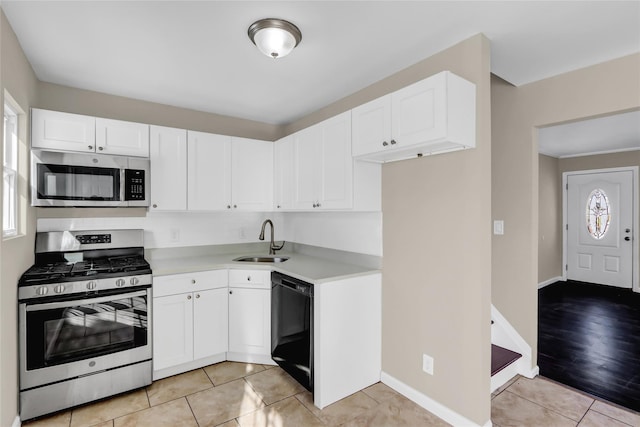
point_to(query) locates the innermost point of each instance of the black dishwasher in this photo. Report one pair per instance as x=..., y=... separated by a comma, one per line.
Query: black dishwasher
x=292, y=327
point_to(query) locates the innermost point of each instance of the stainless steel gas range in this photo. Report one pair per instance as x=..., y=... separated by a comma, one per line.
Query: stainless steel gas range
x=84, y=319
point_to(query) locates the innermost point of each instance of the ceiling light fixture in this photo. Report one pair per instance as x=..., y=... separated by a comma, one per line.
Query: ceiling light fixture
x=274, y=37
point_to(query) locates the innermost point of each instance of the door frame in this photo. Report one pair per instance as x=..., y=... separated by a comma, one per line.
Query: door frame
x=635, y=264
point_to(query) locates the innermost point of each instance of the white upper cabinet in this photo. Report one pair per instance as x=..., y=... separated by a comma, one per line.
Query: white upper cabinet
x=283, y=165
x=168, y=158
x=434, y=115
x=199, y=171
x=209, y=171
x=54, y=130
x=251, y=174
x=323, y=165
x=122, y=138
x=336, y=170
x=371, y=126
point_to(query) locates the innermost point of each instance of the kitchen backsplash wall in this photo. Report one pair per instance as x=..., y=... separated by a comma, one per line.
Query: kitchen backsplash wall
x=347, y=231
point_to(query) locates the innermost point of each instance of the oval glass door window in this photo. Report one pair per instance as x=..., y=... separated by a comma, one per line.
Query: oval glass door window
x=598, y=213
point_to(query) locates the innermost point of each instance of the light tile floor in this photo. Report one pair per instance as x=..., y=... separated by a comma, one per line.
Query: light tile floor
x=233, y=394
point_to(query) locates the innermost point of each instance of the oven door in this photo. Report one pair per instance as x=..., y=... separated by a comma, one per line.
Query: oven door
x=66, y=339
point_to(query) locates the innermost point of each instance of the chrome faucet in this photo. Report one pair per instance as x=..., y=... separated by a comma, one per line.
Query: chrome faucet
x=272, y=246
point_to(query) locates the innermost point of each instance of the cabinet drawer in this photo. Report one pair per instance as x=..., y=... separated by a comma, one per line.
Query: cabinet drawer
x=250, y=278
x=189, y=282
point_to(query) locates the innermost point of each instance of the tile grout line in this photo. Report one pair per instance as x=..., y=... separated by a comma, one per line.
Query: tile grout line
x=295, y=396
x=190, y=408
x=544, y=407
x=610, y=417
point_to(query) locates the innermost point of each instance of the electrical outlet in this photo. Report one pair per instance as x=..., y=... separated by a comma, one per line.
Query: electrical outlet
x=427, y=364
x=498, y=227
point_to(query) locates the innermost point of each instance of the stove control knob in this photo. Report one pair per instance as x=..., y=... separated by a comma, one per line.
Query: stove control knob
x=59, y=289
x=120, y=283
x=42, y=290
x=134, y=281
x=91, y=285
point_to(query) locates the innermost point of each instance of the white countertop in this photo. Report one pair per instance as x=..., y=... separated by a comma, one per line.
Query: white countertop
x=315, y=270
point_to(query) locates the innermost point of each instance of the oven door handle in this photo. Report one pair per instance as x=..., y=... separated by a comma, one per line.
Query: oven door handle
x=74, y=303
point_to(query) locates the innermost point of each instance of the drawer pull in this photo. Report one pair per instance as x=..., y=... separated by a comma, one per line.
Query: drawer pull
x=197, y=296
x=188, y=296
x=193, y=281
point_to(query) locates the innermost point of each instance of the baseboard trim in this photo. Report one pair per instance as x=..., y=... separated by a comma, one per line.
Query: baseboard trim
x=438, y=409
x=550, y=281
x=16, y=422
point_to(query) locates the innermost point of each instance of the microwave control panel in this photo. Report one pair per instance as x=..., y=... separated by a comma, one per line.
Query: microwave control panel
x=134, y=184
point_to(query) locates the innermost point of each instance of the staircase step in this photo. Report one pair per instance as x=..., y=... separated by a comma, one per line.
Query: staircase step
x=501, y=358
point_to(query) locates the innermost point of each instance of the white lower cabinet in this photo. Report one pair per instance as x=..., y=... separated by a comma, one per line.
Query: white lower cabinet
x=250, y=316
x=347, y=344
x=190, y=321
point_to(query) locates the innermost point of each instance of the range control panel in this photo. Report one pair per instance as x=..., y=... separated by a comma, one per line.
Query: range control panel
x=88, y=239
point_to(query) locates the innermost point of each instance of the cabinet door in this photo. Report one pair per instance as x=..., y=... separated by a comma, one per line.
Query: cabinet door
x=307, y=153
x=251, y=174
x=419, y=111
x=371, y=126
x=122, y=138
x=168, y=158
x=283, y=173
x=172, y=330
x=250, y=321
x=62, y=131
x=336, y=172
x=210, y=322
x=209, y=171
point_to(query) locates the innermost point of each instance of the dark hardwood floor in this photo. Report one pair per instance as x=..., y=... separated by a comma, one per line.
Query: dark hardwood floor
x=589, y=339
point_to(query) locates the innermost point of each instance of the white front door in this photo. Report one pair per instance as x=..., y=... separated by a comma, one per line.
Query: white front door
x=599, y=227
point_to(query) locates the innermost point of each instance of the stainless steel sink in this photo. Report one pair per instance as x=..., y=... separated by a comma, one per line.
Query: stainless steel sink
x=265, y=258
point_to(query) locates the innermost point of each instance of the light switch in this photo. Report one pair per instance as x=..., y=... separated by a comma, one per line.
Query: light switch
x=498, y=227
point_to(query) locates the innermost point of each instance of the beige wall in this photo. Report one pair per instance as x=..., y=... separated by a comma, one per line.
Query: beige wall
x=79, y=101
x=550, y=219
x=550, y=206
x=437, y=248
x=72, y=100
x=605, y=88
x=17, y=77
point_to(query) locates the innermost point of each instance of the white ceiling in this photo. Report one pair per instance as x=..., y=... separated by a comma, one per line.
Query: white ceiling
x=197, y=54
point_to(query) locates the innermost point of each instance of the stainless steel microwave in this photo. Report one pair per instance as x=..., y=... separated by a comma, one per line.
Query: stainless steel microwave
x=88, y=180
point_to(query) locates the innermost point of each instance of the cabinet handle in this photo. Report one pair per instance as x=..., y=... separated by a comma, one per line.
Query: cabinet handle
x=193, y=280
x=230, y=292
x=385, y=143
x=278, y=206
x=314, y=205
x=155, y=206
x=188, y=296
x=235, y=206
x=248, y=278
x=100, y=148
x=393, y=142
x=90, y=147
x=228, y=206
x=318, y=205
x=197, y=295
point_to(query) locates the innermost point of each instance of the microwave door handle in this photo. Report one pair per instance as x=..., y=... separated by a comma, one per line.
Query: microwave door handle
x=75, y=303
x=123, y=184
